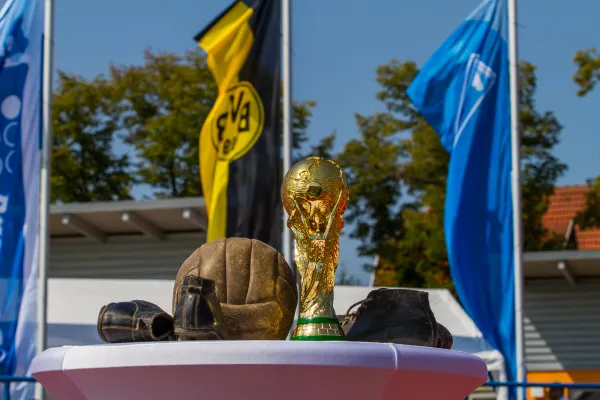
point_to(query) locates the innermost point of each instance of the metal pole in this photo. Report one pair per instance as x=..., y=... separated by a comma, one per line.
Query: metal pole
x=374, y=272
x=286, y=27
x=516, y=193
x=44, y=237
x=287, y=116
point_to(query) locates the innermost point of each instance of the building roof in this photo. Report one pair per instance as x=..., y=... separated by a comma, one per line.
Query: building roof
x=153, y=218
x=569, y=264
x=156, y=218
x=564, y=205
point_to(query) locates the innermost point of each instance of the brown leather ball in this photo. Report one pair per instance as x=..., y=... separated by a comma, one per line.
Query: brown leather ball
x=254, y=284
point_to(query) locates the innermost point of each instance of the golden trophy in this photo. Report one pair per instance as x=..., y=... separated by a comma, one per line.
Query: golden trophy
x=315, y=195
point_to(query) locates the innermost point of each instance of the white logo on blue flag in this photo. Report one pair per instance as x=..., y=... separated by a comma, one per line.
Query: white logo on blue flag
x=13, y=73
x=479, y=79
x=21, y=34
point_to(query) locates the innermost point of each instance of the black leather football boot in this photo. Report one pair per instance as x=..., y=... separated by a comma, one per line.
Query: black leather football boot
x=445, y=340
x=399, y=316
x=198, y=314
x=134, y=321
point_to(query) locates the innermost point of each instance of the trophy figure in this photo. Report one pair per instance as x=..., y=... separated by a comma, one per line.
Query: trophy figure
x=315, y=195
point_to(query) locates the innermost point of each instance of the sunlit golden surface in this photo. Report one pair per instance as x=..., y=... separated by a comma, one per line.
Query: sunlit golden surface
x=315, y=195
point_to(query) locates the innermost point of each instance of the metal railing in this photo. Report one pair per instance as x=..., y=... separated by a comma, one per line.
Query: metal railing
x=7, y=380
x=546, y=385
x=586, y=385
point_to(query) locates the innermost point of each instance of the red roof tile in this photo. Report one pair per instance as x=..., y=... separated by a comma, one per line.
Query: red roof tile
x=564, y=205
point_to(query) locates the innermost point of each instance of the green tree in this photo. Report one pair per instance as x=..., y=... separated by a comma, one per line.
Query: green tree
x=164, y=103
x=157, y=109
x=590, y=216
x=323, y=148
x=587, y=76
x=302, y=113
x=540, y=132
x=372, y=167
x=84, y=167
x=399, y=154
x=343, y=277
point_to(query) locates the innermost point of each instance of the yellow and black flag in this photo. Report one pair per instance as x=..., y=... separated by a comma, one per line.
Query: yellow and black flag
x=240, y=141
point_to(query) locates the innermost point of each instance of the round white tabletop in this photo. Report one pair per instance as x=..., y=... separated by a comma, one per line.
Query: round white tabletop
x=257, y=370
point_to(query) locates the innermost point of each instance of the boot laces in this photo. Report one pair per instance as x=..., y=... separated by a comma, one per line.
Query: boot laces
x=350, y=317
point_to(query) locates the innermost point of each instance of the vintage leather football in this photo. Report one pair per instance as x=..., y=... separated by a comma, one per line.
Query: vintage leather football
x=254, y=284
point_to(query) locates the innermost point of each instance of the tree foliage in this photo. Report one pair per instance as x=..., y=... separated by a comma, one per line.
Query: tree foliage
x=590, y=216
x=398, y=169
x=155, y=110
x=587, y=76
x=163, y=103
x=302, y=112
x=540, y=132
x=343, y=277
x=84, y=165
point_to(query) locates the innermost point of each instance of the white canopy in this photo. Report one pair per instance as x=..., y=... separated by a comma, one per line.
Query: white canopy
x=73, y=306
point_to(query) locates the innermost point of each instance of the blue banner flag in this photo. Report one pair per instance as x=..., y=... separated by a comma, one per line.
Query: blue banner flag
x=21, y=36
x=463, y=93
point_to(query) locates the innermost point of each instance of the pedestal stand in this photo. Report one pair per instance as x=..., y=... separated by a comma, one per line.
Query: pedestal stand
x=262, y=370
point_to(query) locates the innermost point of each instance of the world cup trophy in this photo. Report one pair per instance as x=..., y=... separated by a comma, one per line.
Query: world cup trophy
x=315, y=195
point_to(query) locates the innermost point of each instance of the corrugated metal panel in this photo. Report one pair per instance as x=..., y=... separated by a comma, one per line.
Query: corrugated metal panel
x=562, y=324
x=121, y=257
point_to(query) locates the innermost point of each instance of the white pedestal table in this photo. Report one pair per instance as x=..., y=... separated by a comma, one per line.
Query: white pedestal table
x=233, y=370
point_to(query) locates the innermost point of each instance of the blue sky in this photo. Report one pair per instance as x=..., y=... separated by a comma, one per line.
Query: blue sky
x=337, y=46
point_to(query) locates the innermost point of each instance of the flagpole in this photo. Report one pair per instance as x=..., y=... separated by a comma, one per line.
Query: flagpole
x=374, y=272
x=516, y=193
x=286, y=27
x=44, y=236
x=287, y=116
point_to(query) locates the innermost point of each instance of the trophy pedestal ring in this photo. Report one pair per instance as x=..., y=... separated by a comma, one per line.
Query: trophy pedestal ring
x=319, y=328
x=257, y=370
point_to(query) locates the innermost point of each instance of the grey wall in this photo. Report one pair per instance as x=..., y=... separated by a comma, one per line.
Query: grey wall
x=562, y=325
x=122, y=257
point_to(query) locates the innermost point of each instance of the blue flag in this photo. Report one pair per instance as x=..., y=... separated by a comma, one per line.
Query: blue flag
x=463, y=92
x=21, y=34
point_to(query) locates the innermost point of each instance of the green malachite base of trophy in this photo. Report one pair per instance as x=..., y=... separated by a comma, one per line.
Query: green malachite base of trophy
x=318, y=329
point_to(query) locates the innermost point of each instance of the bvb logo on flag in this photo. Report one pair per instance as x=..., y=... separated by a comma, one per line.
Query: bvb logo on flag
x=240, y=119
